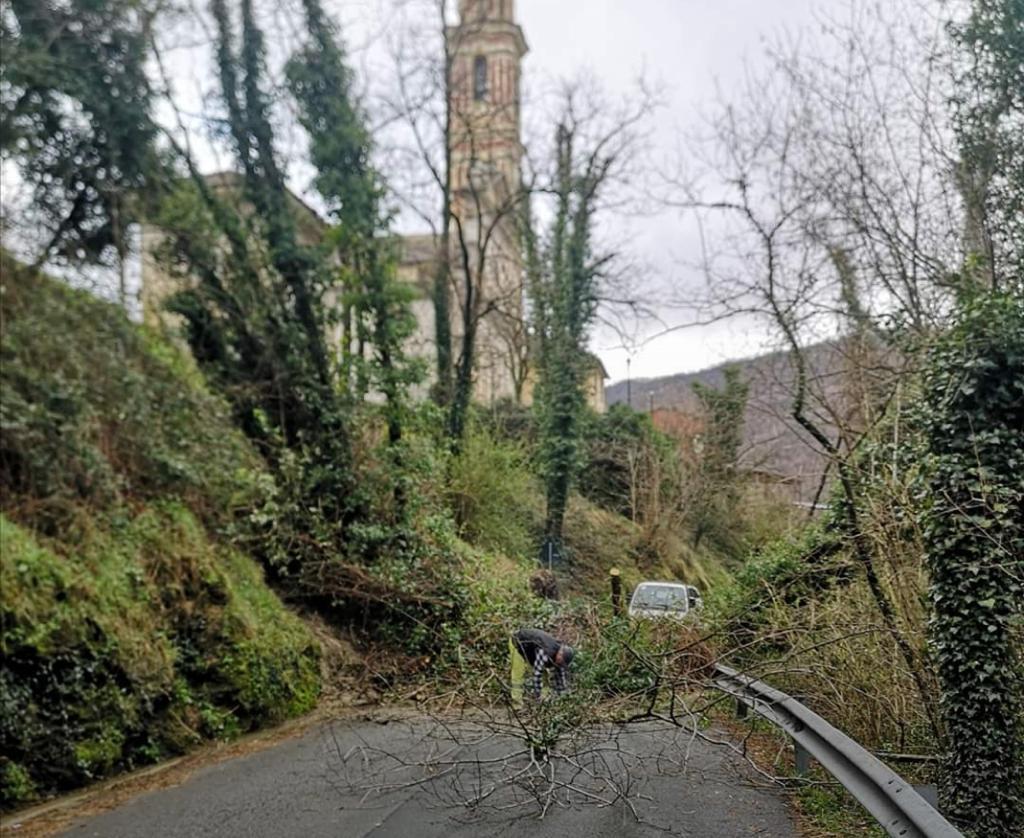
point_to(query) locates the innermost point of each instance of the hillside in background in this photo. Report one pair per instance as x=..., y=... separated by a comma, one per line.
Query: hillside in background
x=774, y=445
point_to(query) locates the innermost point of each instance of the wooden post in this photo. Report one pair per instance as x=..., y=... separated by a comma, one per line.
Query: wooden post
x=616, y=581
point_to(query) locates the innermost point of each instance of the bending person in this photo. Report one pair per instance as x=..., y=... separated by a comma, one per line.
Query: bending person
x=542, y=651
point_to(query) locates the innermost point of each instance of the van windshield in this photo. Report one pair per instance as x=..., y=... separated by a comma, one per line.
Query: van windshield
x=664, y=597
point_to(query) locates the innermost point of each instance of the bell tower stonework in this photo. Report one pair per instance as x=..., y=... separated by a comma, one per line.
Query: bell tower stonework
x=488, y=47
x=486, y=160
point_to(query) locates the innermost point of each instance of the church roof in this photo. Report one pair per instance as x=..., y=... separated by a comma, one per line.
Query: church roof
x=311, y=225
x=597, y=364
x=417, y=249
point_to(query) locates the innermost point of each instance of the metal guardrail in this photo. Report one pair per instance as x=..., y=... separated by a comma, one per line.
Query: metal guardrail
x=893, y=802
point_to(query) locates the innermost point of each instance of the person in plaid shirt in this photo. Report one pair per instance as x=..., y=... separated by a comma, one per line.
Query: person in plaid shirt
x=540, y=650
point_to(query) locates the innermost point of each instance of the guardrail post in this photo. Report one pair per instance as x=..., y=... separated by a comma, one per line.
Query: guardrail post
x=930, y=794
x=802, y=758
x=616, y=581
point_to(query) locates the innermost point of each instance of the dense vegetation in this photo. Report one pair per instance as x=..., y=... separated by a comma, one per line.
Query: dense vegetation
x=136, y=619
x=133, y=627
x=972, y=419
x=148, y=487
x=940, y=499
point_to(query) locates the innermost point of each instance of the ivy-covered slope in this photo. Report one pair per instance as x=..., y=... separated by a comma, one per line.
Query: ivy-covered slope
x=132, y=626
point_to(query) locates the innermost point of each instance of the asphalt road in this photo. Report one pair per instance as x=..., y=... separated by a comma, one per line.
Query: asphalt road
x=415, y=777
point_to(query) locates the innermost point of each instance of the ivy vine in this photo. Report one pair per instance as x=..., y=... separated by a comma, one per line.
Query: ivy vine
x=972, y=415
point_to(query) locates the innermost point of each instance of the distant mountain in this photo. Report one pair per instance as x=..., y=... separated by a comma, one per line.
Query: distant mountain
x=774, y=444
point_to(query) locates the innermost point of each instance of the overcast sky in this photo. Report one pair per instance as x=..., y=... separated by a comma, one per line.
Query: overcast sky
x=690, y=49
x=693, y=49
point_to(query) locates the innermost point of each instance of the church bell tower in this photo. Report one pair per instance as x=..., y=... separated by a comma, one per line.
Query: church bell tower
x=487, y=48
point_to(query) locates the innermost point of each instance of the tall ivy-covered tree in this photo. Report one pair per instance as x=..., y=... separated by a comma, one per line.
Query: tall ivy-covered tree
x=249, y=120
x=989, y=122
x=716, y=475
x=254, y=305
x=376, y=304
x=564, y=275
x=972, y=416
x=567, y=274
x=76, y=114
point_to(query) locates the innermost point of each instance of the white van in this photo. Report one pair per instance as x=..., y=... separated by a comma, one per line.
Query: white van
x=664, y=600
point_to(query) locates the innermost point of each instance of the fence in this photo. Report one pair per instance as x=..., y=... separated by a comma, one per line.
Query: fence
x=893, y=802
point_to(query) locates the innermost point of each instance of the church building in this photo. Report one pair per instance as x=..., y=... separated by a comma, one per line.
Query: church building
x=486, y=49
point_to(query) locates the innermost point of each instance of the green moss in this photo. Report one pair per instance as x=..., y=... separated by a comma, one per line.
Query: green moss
x=274, y=665
x=15, y=783
x=96, y=757
x=131, y=628
x=139, y=641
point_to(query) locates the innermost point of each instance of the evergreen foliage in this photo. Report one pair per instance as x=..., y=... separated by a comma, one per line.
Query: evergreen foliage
x=243, y=330
x=563, y=276
x=972, y=414
x=296, y=263
x=340, y=527
x=96, y=411
x=132, y=628
x=340, y=151
x=989, y=121
x=340, y=144
x=255, y=299
x=713, y=505
x=76, y=114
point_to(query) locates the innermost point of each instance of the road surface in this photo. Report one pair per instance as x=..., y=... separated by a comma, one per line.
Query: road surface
x=413, y=778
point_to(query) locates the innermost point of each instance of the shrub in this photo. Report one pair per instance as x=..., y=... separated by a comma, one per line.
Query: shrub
x=496, y=501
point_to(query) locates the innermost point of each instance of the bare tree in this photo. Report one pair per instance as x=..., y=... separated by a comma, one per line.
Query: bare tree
x=832, y=213
x=623, y=737
x=456, y=147
x=633, y=726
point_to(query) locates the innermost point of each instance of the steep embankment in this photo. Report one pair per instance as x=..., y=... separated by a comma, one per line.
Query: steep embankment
x=133, y=627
